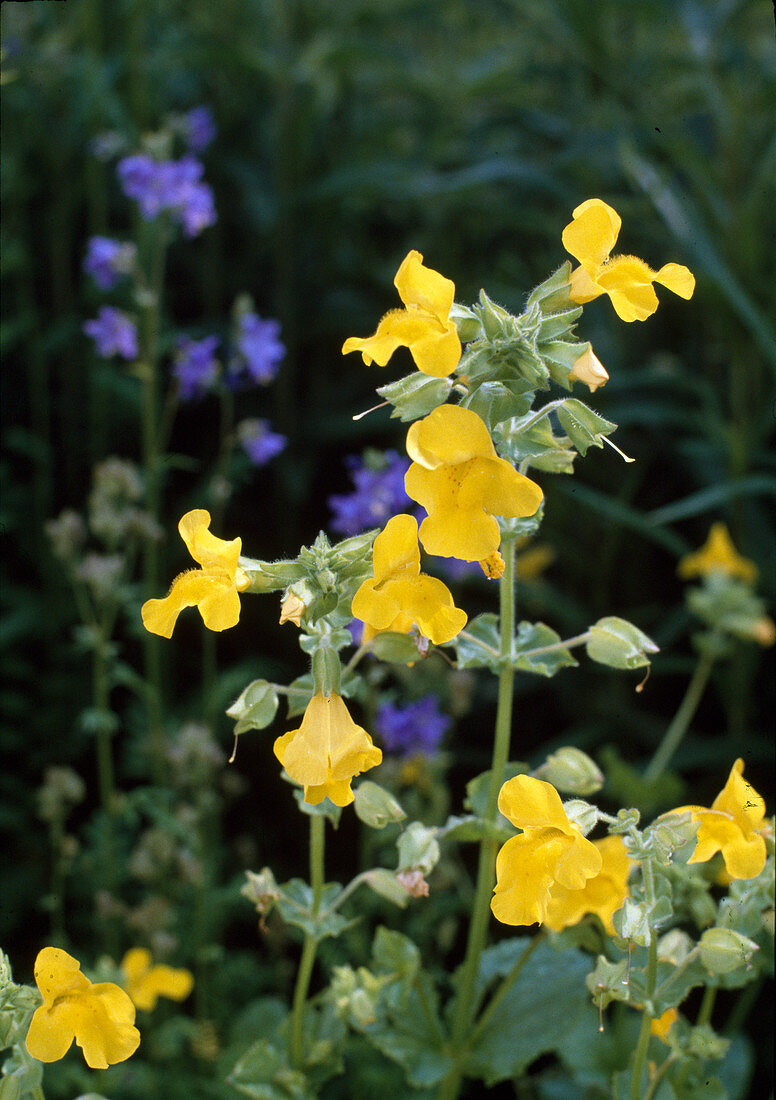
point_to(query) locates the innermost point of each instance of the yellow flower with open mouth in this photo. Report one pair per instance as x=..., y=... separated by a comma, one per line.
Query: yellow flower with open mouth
x=100, y=1017
x=214, y=588
x=327, y=751
x=549, y=852
x=423, y=326
x=399, y=596
x=717, y=555
x=146, y=983
x=462, y=483
x=603, y=894
x=731, y=826
x=590, y=238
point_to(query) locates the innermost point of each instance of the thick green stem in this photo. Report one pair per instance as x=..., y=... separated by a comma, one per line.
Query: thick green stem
x=309, y=948
x=465, y=1004
x=646, y=1023
x=682, y=718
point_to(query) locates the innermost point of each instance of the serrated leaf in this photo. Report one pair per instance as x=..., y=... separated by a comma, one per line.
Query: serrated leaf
x=295, y=904
x=583, y=427
x=531, y=636
x=478, y=645
x=263, y=1073
x=415, y=395
x=526, y=1024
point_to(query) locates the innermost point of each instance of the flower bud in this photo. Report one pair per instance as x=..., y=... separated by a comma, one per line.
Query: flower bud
x=418, y=848
x=375, y=806
x=261, y=889
x=590, y=370
x=572, y=771
x=466, y=322
x=581, y=814
x=722, y=950
x=414, y=883
x=292, y=609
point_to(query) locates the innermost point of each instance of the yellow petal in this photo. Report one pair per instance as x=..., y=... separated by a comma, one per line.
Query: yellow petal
x=582, y=288
x=397, y=328
x=525, y=872
x=50, y=1035
x=591, y=236
x=579, y=861
x=628, y=282
x=677, y=278
x=136, y=963
x=590, y=370
x=337, y=791
x=718, y=554
x=104, y=1025
x=469, y=535
x=220, y=609
x=396, y=548
x=451, y=435
x=423, y=288
x=188, y=590
x=739, y=799
x=168, y=981
x=378, y=607
x=57, y=973
x=497, y=487
x=208, y=551
x=429, y=604
x=327, y=746
x=437, y=354
x=662, y=1025
x=532, y=803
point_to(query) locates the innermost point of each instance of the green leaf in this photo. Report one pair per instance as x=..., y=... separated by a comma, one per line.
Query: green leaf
x=619, y=644
x=418, y=848
x=415, y=395
x=478, y=646
x=532, y=636
x=397, y=649
x=497, y=401
x=583, y=427
x=263, y=1073
x=385, y=883
x=470, y=827
x=526, y=1024
x=407, y=1028
x=295, y=904
x=255, y=708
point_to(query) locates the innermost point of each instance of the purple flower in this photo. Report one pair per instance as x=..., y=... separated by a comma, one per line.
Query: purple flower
x=259, y=441
x=107, y=261
x=418, y=727
x=379, y=493
x=113, y=333
x=196, y=367
x=260, y=349
x=174, y=186
x=198, y=128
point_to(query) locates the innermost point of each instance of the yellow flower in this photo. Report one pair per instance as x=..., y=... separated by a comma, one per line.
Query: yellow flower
x=603, y=894
x=717, y=555
x=662, y=1025
x=462, y=483
x=327, y=751
x=590, y=238
x=399, y=595
x=99, y=1017
x=550, y=851
x=213, y=589
x=732, y=826
x=590, y=370
x=423, y=326
x=146, y=983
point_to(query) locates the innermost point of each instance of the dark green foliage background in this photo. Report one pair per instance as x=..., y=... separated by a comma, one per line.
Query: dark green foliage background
x=349, y=132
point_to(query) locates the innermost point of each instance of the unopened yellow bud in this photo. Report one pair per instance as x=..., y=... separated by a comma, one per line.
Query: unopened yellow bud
x=590, y=370
x=292, y=609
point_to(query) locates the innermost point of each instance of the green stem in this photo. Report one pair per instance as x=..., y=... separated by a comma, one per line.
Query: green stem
x=707, y=1005
x=317, y=840
x=465, y=1006
x=101, y=690
x=496, y=1000
x=682, y=718
x=646, y=1021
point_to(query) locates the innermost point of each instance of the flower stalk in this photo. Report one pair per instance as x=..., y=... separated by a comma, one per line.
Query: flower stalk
x=465, y=1006
x=310, y=945
x=681, y=721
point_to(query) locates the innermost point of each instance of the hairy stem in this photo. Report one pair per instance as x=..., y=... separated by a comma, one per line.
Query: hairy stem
x=306, y=962
x=465, y=1006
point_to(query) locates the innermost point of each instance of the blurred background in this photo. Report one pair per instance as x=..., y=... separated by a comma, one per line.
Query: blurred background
x=347, y=133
